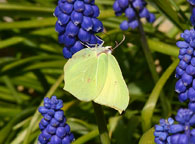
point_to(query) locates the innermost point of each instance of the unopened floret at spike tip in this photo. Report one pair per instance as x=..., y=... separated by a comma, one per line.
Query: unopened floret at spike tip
x=77, y=25
x=130, y=8
x=169, y=133
x=53, y=126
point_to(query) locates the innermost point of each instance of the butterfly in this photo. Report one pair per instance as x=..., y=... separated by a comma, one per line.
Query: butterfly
x=93, y=74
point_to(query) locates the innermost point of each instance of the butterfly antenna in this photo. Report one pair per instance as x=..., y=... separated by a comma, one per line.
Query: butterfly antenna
x=84, y=44
x=100, y=40
x=118, y=44
x=92, y=45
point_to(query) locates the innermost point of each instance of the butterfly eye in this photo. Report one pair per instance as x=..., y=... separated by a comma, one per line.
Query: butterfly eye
x=110, y=48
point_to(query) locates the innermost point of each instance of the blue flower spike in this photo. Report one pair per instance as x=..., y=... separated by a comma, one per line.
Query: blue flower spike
x=181, y=133
x=192, y=2
x=162, y=131
x=185, y=71
x=129, y=7
x=54, y=129
x=77, y=23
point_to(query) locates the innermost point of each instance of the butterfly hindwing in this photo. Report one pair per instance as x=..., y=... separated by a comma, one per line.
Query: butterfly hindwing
x=115, y=93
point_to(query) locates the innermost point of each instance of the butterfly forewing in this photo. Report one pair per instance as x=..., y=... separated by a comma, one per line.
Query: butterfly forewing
x=82, y=76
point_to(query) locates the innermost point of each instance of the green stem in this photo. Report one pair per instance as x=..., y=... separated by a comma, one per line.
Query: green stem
x=150, y=61
x=147, y=52
x=103, y=131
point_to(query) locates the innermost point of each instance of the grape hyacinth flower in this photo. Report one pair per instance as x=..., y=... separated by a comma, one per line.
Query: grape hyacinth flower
x=185, y=71
x=162, y=131
x=54, y=129
x=181, y=133
x=192, y=2
x=192, y=18
x=129, y=7
x=77, y=25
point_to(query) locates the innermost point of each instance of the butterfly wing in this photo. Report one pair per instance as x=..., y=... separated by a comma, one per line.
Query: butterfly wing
x=115, y=93
x=85, y=74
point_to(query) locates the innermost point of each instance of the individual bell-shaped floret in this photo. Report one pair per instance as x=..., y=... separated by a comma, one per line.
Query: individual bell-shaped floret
x=87, y=23
x=83, y=35
x=71, y=29
x=88, y=10
x=66, y=7
x=124, y=25
x=79, y=6
x=76, y=17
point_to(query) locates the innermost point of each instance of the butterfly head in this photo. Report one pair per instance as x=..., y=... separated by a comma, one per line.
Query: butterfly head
x=108, y=49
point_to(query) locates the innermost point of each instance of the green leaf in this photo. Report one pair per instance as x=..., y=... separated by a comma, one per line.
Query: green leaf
x=166, y=8
x=23, y=61
x=163, y=48
x=12, y=89
x=10, y=41
x=150, y=105
x=7, y=129
x=85, y=138
x=37, y=23
x=148, y=137
x=24, y=10
x=49, y=64
x=6, y=111
x=20, y=137
x=80, y=126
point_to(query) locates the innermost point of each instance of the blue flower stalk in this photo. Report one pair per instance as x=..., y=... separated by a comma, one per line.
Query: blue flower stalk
x=192, y=18
x=192, y=2
x=77, y=25
x=53, y=126
x=182, y=132
x=129, y=7
x=185, y=71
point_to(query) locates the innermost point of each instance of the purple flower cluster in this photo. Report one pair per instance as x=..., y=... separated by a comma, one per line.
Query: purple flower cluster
x=181, y=133
x=184, y=131
x=192, y=18
x=162, y=131
x=77, y=25
x=54, y=129
x=130, y=7
x=185, y=71
x=192, y=2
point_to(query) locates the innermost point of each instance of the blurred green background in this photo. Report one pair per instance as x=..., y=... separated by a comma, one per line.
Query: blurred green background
x=31, y=67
